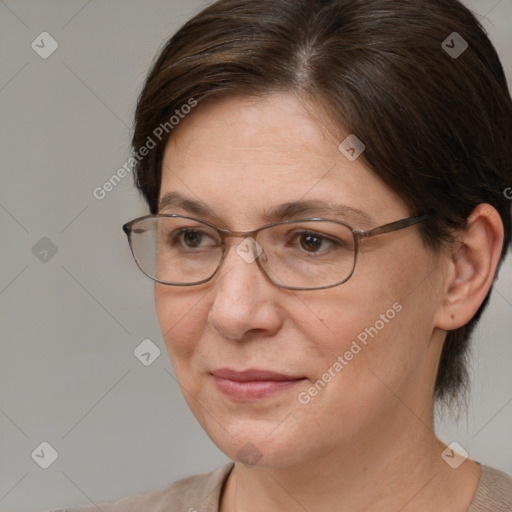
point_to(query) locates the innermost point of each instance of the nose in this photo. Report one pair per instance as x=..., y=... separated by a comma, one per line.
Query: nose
x=245, y=301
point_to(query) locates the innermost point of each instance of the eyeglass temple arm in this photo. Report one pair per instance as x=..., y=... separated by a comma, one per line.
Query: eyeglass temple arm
x=393, y=226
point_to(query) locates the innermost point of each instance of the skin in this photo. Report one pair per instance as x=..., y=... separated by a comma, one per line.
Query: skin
x=366, y=441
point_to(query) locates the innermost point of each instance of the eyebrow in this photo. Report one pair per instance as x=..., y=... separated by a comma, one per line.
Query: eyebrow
x=173, y=200
x=289, y=210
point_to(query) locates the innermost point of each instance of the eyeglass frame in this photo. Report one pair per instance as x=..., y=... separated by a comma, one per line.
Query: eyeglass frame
x=358, y=234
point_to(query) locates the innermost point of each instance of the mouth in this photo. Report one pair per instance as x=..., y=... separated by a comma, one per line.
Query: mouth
x=253, y=384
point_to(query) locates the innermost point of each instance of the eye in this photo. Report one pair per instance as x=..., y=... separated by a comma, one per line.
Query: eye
x=191, y=239
x=313, y=242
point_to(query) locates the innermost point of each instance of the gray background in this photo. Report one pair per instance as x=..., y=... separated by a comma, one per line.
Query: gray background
x=69, y=325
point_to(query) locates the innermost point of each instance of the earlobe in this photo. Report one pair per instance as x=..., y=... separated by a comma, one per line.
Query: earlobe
x=473, y=261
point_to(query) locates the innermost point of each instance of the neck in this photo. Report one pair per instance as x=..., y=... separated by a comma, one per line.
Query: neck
x=397, y=467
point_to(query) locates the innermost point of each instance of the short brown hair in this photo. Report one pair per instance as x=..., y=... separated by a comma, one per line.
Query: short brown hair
x=437, y=126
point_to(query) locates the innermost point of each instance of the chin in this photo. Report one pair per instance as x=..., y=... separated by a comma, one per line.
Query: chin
x=256, y=443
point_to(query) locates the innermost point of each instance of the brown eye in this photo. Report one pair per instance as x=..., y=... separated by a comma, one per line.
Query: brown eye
x=192, y=238
x=311, y=243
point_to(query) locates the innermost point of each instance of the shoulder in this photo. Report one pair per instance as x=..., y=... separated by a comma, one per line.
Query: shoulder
x=494, y=492
x=197, y=493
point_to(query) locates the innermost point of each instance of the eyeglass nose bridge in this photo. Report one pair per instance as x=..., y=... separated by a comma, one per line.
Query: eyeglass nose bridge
x=248, y=249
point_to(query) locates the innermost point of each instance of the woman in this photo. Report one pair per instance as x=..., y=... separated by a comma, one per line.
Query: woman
x=325, y=180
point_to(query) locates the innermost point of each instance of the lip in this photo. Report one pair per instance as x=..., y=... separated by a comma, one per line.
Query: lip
x=252, y=375
x=252, y=384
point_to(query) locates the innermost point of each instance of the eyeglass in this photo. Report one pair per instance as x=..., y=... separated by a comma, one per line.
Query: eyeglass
x=297, y=254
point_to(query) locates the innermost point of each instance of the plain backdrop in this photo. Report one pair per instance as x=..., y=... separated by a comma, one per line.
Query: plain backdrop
x=73, y=305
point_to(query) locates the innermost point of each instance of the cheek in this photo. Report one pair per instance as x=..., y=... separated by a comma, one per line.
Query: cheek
x=181, y=319
x=380, y=318
x=360, y=332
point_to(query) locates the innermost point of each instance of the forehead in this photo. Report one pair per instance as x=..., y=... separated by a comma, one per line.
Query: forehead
x=243, y=156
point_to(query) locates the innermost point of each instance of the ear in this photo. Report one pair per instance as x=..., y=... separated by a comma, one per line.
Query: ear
x=473, y=259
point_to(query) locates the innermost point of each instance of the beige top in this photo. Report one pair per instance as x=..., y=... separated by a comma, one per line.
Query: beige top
x=201, y=493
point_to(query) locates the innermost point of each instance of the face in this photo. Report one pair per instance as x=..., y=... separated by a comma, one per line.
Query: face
x=338, y=357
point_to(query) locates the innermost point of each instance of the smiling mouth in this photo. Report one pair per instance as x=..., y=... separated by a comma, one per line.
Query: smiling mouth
x=253, y=384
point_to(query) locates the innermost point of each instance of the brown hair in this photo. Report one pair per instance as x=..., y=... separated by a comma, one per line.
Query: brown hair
x=437, y=126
